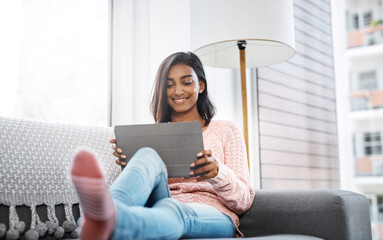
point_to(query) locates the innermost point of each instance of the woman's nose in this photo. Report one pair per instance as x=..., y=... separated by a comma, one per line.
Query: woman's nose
x=179, y=90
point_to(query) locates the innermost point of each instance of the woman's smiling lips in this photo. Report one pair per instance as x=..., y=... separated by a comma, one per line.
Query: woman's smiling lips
x=180, y=100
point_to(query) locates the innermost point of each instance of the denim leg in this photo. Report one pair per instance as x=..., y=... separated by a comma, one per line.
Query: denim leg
x=162, y=221
x=171, y=219
x=142, y=183
x=144, y=180
x=207, y=222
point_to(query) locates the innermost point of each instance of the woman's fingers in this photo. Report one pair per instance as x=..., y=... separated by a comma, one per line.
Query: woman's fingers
x=118, y=153
x=198, y=162
x=208, y=167
x=121, y=163
x=205, y=168
x=121, y=156
x=206, y=153
x=202, y=158
x=117, y=149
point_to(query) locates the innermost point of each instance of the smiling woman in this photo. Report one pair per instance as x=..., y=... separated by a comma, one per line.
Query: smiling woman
x=183, y=89
x=55, y=67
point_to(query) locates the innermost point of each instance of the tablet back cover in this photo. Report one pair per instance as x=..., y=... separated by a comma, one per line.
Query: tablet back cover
x=176, y=143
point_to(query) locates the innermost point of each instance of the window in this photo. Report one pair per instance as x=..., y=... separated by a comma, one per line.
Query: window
x=370, y=39
x=360, y=19
x=367, y=80
x=361, y=103
x=374, y=37
x=355, y=21
x=367, y=17
x=57, y=58
x=380, y=208
x=372, y=143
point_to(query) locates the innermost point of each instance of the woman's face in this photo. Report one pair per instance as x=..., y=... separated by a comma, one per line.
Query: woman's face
x=183, y=88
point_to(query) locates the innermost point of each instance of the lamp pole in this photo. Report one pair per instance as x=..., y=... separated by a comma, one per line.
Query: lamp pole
x=242, y=56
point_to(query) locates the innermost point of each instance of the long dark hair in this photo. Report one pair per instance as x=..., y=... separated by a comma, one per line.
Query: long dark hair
x=160, y=108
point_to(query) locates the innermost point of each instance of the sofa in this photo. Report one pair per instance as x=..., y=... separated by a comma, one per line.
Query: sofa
x=38, y=202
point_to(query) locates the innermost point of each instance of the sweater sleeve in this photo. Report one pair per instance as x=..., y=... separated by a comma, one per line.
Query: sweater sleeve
x=232, y=184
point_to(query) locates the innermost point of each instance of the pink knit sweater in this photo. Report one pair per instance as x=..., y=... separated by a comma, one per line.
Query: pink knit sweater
x=230, y=191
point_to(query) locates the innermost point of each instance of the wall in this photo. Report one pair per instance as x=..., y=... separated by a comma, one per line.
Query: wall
x=297, y=108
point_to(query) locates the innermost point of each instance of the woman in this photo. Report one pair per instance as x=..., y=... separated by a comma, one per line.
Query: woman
x=143, y=203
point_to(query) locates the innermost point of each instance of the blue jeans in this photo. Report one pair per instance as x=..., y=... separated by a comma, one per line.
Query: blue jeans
x=146, y=210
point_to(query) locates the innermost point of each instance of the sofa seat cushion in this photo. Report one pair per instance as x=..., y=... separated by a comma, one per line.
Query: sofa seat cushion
x=275, y=237
x=286, y=237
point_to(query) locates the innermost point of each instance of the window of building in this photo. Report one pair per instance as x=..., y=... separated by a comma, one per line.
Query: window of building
x=372, y=143
x=355, y=21
x=380, y=209
x=358, y=104
x=370, y=39
x=367, y=17
x=374, y=38
x=360, y=19
x=367, y=80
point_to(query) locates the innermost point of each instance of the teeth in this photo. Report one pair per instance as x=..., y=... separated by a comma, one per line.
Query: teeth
x=179, y=100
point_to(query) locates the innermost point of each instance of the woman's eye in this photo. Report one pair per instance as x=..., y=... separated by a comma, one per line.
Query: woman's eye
x=170, y=85
x=188, y=83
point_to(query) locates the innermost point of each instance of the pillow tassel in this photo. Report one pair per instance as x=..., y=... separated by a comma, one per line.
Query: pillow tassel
x=3, y=230
x=70, y=224
x=53, y=223
x=38, y=228
x=16, y=227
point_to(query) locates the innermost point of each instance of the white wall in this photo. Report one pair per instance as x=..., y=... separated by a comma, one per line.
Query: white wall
x=342, y=92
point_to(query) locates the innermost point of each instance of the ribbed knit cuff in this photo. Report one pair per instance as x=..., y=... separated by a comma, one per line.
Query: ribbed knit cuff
x=223, y=174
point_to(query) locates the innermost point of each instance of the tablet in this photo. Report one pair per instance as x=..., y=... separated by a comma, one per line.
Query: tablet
x=177, y=143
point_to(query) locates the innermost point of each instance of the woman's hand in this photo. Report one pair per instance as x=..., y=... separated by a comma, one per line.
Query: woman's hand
x=207, y=164
x=118, y=153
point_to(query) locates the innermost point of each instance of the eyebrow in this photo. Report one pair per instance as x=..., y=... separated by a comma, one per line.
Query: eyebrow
x=185, y=76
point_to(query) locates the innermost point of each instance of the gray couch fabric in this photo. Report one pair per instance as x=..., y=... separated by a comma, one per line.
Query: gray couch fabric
x=286, y=237
x=277, y=237
x=327, y=214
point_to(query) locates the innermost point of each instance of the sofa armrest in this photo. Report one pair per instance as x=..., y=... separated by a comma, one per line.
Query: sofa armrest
x=327, y=214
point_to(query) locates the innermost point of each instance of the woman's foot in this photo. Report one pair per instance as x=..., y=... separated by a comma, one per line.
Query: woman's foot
x=95, y=201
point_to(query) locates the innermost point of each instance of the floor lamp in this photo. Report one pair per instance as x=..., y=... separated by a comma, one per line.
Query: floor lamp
x=242, y=33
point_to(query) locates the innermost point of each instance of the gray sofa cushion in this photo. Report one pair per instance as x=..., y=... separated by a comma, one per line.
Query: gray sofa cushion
x=286, y=237
x=327, y=214
x=277, y=237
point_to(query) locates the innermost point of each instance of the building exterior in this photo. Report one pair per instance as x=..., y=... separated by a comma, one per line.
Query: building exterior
x=364, y=56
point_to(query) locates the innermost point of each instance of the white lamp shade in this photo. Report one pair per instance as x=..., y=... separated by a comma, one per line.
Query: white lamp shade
x=266, y=25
